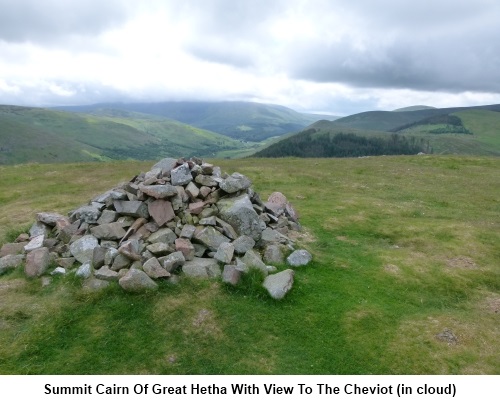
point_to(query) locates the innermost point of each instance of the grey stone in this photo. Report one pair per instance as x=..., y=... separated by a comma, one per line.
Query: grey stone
x=227, y=229
x=273, y=254
x=181, y=175
x=185, y=247
x=202, y=268
x=241, y=266
x=239, y=213
x=136, y=209
x=83, y=248
x=49, y=218
x=131, y=249
x=210, y=237
x=291, y=213
x=87, y=213
x=38, y=229
x=164, y=235
x=235, y=182
x=253, y=260
x=272, y=236
x=109, y=196
x=105, y=273
x=94, y=284
x=243, y=243
x=279, y=284
x=10, y=262
x=192, y=190
x=154, y=269
x=159, y=248
x=98, y=257
x=187, y=231
x=58, y=271
x=13, y=249
x=166, y=165
x=110, y=255
x=66, y=262
x=137, y=281
x=225, y=253
x=37, y=262
x=159, y=191
x=299, y=258
x=120, y=262
x=231, y=275
x=208, y=221
x=206, y=180
x=35, y=243
x=113, y=231
x=173, y=261
x=84, y=271
x=107, y=217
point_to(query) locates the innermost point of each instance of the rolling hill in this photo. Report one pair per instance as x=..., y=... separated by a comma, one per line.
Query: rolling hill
x=43, y=135
x=463, y=130
x=245, y=121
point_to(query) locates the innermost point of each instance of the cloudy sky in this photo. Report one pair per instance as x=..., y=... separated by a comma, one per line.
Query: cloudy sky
x=334, y=56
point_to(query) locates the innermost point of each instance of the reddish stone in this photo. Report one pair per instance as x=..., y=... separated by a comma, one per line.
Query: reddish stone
x=196, y=207
x=185, y=247
x=161, y=211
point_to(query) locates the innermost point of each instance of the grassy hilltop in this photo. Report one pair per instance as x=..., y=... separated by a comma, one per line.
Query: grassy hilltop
x=405, y=279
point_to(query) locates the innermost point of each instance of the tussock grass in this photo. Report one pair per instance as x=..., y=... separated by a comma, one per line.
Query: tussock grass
x=404, y=248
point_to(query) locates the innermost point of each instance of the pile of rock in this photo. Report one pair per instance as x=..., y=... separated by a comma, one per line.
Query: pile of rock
x=183, y=217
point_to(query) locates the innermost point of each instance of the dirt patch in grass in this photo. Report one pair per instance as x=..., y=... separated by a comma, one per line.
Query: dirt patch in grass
x=9, y=285
x=452, y=345
x=490, y=304
x=461, y=262
x=304, y=236
x=346, y=240
x=392, y=269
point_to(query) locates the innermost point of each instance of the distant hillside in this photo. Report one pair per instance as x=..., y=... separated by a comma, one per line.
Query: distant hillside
x=464, y=130
x=415, y=108
x=239, y=120
x=43, y=135
x=391, y=120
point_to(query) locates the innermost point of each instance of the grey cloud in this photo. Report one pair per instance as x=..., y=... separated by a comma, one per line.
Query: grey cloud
x=49, y=21
x=453, y=64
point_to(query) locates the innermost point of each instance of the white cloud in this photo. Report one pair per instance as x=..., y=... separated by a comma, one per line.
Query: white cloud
x=318, y=55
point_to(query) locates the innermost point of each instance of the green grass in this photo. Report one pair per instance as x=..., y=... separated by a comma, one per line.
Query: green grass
x=49, y=136
x=403, y=247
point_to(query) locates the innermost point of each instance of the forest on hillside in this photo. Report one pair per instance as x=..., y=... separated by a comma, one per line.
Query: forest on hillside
x=309, y=144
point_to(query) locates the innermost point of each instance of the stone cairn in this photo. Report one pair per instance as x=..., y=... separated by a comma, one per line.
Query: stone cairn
x=183, y=218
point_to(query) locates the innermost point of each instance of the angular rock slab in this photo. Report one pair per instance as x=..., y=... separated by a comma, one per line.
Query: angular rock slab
x=299, y=258
x=231, y=275
x=279, y=284
x=154, y=269
x=136, y=209
x=210, y=237
x=235, y=182
x=240, y=214
x=159, y=191
x=112, y=231
x=137, y=281
x=166, y=165
x=37, y=262
x=161, y=211
x=202, y=268
x=10, y=262
x=83, y=248
x=181, y=175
